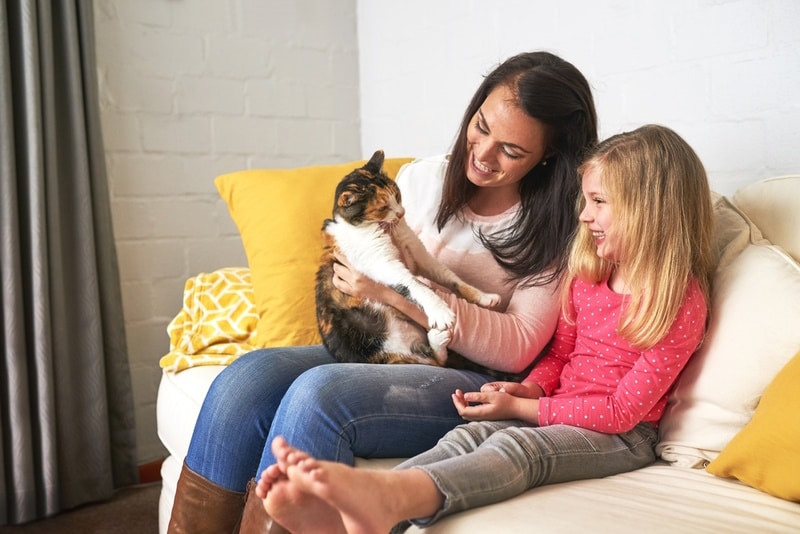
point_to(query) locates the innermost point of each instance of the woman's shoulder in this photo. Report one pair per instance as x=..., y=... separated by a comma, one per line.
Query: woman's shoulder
x=423, y=167
x=421, y=185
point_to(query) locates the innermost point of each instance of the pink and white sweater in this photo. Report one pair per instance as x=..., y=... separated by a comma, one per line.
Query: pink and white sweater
x=509, y=337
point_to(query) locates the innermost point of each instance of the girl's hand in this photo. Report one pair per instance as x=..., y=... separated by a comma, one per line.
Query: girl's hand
x=527, y=390
x=495, y=406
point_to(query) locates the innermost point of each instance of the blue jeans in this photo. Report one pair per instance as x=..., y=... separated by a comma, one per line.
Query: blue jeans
x=491, y=461
x=334, y=411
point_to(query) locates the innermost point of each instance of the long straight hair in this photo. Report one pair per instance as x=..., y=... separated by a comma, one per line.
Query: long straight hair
x=533, y=250
x=663, y=220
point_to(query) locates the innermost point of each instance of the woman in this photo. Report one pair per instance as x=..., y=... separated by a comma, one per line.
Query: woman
x=499, y=211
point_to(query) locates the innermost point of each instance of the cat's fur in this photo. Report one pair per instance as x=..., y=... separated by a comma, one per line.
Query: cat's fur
x=369, y=230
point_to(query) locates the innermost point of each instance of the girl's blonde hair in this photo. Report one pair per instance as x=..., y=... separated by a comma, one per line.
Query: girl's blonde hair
x=662, y=220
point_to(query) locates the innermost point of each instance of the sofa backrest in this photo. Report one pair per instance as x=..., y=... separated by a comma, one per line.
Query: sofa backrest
x=774, y=207
x=754, y=316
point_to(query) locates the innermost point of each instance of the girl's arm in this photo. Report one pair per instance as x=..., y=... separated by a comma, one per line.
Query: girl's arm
x=497, y=405
x=640, y=395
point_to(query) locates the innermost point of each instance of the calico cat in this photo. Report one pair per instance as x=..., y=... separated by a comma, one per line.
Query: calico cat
x=369, y=230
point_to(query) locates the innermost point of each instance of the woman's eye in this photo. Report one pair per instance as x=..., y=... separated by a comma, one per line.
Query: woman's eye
x=510, y=155
x=480, y=128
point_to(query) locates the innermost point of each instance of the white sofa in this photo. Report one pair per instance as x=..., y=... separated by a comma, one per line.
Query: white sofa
x=754, y=333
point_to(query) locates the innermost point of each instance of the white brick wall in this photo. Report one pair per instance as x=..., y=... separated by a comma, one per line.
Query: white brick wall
x=724, y=73
x=191, y=89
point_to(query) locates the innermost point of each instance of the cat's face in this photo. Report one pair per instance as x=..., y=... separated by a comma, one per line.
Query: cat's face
x=367, y=195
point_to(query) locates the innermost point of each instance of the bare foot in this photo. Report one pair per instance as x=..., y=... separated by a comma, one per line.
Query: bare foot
x=368, y=501
x=293, y=509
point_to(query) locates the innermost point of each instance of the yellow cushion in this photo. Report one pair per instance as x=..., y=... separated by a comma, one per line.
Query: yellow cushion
x=217, y=322
x=765, y=454
x=279, y=214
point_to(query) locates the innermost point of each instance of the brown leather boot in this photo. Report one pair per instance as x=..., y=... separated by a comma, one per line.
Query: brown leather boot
x=255, y=519
x=202, y=507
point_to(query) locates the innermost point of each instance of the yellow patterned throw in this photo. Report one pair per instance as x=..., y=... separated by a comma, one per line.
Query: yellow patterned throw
x=217, y=323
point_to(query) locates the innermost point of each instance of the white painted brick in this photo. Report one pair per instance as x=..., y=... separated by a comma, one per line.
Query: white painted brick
x=158, y=53
x=145, y=175
x=268, y=98
x=225, y=225
x=204, y=95
x=146, y=12
x=176, y=134
x=186, y=95
x=133, y=219
x=120, y=130
x=295, y=139
x=739, y=90
x=130, y=91
x=183, y=218
x=150, y=260
x=246, y=135
x=147, y=342
x=308, y=65
x=207, y=255
x=137, y=299
x=166, y=299
x=199, y=172
x=203, y=17
x=237, y=56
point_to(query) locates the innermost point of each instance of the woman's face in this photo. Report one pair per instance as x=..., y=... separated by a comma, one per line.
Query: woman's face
x=504, y=143
x=598, y=215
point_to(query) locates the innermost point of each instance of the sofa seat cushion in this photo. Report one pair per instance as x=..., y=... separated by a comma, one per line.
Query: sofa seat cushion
x=656, y=499
x=180, y=396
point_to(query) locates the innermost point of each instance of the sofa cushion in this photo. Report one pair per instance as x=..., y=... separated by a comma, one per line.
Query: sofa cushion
x=279, y=215
x=772, y=205
x=766, y=453
x=753, y=333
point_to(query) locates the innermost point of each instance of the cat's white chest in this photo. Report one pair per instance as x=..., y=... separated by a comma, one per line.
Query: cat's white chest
x=363, y=245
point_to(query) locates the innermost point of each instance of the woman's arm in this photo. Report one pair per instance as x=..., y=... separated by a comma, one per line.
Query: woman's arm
x=357, y=285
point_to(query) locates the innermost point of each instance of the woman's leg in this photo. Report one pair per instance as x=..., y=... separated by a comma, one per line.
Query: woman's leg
x=340, y=411
x=237, y=412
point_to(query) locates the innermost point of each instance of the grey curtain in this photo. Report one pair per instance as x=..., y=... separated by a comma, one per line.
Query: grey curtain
x=67, y=433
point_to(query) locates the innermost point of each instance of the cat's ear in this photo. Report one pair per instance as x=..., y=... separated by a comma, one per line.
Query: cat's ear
x=375, y=163
x=346, y=199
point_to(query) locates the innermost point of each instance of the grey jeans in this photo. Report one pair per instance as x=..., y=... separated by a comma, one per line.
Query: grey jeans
x=486, y=462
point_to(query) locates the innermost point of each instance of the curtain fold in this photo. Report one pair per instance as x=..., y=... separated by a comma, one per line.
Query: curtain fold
x=67, y=431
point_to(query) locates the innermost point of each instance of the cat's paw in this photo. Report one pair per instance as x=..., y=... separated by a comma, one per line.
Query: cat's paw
x=440, y=316
x=488, y=300
x=438, y=340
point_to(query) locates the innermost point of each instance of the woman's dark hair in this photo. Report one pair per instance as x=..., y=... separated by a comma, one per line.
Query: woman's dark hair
x=534, y=249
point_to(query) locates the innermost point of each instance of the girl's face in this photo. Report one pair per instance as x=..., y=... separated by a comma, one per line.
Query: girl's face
x=503, y=142
x=598, y=215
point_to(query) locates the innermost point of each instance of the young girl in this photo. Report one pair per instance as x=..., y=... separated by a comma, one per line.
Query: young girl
x=633, y=312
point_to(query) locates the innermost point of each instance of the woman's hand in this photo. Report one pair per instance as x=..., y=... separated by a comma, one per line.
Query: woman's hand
x=355, y=284
x=495, y=405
